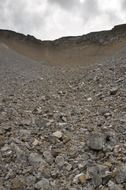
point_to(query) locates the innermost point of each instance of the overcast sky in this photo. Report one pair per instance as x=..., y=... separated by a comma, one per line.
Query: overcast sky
x=51, y=19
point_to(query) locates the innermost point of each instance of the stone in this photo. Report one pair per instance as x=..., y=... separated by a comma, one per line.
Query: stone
x=113, y=91
x=1, y=131
x=113, y=186
x=6, y=151
x=7, y=128
x=68, y=166
x=58, y=134
x=96, y=141
x=89, y=99
x=20, y=154
x=5, y=148
x=108, y=164
x=60, y=161
x=63, y=118
x=103, y=170
x=2, y=188
x=35, y=158
x=48, y=156
x=121, y=174
x=36, y=142
x=2, y=140
x=82, y=179
x=26, y=122
x=76, y=179
x=40, y=122
x=17, y=184
x=95, y=173
x=43, y=184
x=25, y=134
x=54, y=173
x=30, y=180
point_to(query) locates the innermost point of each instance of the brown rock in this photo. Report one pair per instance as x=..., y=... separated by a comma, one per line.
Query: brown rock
x=2, y=140
x=82, y=179
x=17, y=184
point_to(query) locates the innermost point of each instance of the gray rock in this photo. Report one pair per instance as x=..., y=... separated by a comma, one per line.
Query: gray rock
x=21, y=155
x=7, y=128
x=40, y=122
x=2, y=140
x=89, y=187
x=96, y=141
x=121, y=174
x=31, y=180
x=48, y=156
x=97, y=173
x=25, y=134
x=5, y=148
x=113, y=91
x=60, y=161
x=35, y=158
x=68, y=166
x=2, y=188
x=7, y=152
x=43, y=184
x=26, y=122
x=113, y=186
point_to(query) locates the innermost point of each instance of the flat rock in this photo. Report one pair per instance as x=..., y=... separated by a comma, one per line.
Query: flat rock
x=58, y=134
x=35, y=158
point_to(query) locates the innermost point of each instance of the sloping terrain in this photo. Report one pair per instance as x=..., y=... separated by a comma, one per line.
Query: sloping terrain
x=84, y=49
x=63, y=126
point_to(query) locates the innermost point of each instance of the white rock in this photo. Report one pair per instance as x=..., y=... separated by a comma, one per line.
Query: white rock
x=35, y=143
x=58, y=134
x=89, y=99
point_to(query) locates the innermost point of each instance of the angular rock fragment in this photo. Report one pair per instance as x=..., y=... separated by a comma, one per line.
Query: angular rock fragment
x=113, y=91
x=48, y=156
x=58, y=134
x=121, y=174
x=43, y=184
x=2, y=140
x=35, y=158
x=113, y=186
x=17, y=184
x=96, y=141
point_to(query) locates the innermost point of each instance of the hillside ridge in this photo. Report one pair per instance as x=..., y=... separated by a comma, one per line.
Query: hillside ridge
x=85, y=49
x=100, y=36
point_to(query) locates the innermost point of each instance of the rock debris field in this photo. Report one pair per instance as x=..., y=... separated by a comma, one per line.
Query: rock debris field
x=62, y=127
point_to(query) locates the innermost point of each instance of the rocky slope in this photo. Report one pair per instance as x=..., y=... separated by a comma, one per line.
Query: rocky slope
x=62, y=127
x=86, y=49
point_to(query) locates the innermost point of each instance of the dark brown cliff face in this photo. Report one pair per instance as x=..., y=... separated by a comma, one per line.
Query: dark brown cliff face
x=68, y=50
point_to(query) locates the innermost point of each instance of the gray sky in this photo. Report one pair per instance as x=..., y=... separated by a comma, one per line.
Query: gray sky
x=51, y=19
